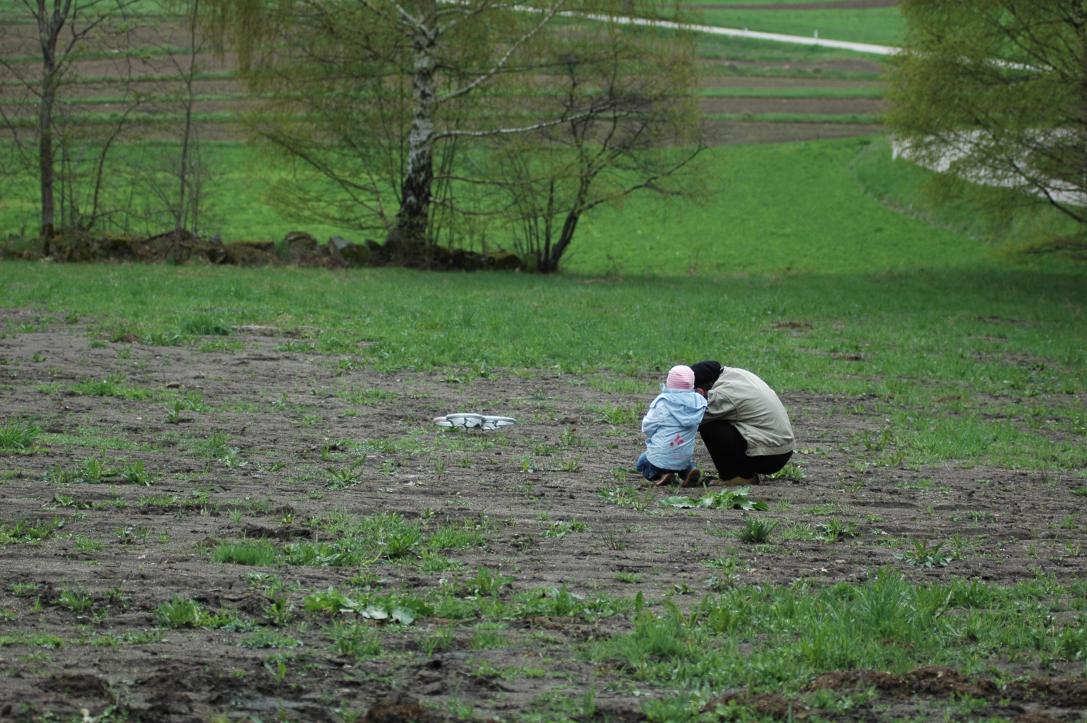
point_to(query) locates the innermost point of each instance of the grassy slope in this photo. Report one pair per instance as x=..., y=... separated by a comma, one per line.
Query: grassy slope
x=883, y=26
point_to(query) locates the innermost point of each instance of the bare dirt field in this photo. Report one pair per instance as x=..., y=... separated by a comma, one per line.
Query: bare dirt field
x=292, y=418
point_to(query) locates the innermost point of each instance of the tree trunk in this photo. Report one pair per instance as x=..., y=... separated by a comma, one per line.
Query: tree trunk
x=48, y=31
x=568, y=227
x=407, y=241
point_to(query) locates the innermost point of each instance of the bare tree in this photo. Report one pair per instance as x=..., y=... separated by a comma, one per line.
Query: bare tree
x=633, y=127
x=62, y=26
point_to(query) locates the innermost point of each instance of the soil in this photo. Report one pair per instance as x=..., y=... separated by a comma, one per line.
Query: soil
x=284, y=410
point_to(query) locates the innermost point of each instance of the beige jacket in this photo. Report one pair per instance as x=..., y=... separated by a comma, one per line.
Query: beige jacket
x=740, y=397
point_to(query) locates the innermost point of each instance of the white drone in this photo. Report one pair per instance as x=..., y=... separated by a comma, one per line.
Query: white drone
x=471, y=420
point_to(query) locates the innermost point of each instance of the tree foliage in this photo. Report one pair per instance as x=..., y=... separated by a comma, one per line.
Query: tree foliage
x=404, y=107
x=995, y=91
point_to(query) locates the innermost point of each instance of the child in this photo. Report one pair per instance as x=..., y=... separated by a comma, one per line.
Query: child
x=670, y=426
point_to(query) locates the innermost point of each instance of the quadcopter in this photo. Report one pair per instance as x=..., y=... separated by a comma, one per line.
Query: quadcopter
x=471, y=420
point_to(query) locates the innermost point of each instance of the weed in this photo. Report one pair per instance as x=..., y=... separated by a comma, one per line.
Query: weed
x=756, y=531
x=182, y=612
x=277, y=667
x=437, y=641
x=834, y=531
x=18, y=436
x=132, y=535
x=173, y=412
x=792, y=472
x=342, y=478
x=561, y=528
x=84, y=544
x=924, y=555
x=488, y=583
x=570, y=464
x=246, y=552
x=217, y=446
x=488, y=635
x=76, y=601
x=729, y=499
x=628, y=495
x=27, y=531
x=619, y=415
x=135, y=473
x=354, y=640
x=279, y=611
x=112, y=386
x=569, y=437
x=94, y=471
x=61, y=476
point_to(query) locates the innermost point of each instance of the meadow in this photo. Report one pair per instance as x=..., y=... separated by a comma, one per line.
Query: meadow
x=225, y=498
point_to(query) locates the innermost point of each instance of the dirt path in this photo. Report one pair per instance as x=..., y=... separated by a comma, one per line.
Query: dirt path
x=552, y=496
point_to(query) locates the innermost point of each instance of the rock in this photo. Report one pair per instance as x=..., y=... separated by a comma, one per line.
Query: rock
x=250, y=253
x=348, y=252
x=298, y=245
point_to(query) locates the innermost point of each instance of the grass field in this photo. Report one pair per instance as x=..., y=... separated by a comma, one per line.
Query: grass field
x=225, y=499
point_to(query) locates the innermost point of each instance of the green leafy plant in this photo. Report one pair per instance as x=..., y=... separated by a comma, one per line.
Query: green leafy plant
x=791, y=471
x=61, y=475
x=342, y=478
x=834, y=531
x=922, y=554
x=756, y=531
x=75, y=600
x=246, y=552
x=729, y=499
x=628, y=496
x=354, y=640
x=135, y=473
x=18, y=436
x=29, y=531
x=488, y=583
x=562, y=528
x=94, y=471
x=182, y=612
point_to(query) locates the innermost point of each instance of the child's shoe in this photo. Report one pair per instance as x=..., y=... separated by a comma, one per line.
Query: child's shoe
x=668, y=478
x=692, y=477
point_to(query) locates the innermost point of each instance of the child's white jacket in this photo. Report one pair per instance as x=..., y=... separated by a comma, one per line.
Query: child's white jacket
x=670, y=427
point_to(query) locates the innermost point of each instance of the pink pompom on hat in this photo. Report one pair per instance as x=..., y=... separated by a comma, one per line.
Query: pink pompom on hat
x=680, y=377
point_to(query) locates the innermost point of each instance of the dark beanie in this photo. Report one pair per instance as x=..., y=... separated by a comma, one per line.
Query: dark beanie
x=705, y=373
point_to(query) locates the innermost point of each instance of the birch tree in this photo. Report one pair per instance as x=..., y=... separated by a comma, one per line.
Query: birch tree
x=379, y=95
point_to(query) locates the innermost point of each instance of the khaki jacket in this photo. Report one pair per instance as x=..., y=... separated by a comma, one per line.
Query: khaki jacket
x=740, y=397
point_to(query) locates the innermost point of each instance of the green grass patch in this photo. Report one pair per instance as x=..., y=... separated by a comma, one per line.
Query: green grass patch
x=778, y=639
x=19, y=436
x=883, y=26
x=29, y=531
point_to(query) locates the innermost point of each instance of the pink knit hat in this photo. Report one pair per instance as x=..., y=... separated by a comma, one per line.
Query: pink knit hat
x=680, y=376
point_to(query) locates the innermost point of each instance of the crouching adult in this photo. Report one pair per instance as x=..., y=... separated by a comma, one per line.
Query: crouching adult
x=745, y=429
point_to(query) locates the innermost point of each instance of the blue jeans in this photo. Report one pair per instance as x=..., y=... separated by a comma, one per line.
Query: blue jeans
x=652, y=472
